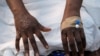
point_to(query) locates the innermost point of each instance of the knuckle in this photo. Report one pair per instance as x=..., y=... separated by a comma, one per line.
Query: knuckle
x=63, y=32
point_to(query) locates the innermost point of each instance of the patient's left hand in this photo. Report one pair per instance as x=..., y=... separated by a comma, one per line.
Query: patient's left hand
x=73, y=36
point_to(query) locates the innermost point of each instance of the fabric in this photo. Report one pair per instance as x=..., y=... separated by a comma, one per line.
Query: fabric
x=72, y=22
x=90, y=16
x=49, y=13
x=57, y=53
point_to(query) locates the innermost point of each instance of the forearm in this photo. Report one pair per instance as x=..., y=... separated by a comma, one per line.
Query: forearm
x=72, y=8
x=17, y=7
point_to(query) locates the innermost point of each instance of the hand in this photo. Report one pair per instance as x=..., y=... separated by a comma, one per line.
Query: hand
x=26, y=26
x=73, y=36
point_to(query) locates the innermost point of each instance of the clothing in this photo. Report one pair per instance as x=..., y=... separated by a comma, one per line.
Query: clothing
x=49, y=13
x=90, y=16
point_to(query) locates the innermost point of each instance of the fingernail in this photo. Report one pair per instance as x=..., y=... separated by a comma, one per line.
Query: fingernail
x=48, y=28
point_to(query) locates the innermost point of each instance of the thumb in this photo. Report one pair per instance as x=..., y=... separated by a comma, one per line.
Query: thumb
x=44, y=29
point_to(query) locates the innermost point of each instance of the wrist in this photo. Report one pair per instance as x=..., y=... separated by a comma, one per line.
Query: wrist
x=71, y=13
x=17, y=7
x=72, y=8
x=17, y=12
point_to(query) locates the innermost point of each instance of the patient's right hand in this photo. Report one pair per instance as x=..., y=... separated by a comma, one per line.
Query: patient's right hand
x=26, y=26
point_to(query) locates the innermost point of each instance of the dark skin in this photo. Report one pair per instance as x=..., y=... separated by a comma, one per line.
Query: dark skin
x=26, y=25
x=72, y=8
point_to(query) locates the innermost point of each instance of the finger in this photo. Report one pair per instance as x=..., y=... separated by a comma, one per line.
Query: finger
x=26, y=45
x=79, y=42
x=44, y=29
x=72, y=42
x=33, y=43
x=40, y=36
x=17, y=42
x=65, y=43
x=83, y=37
